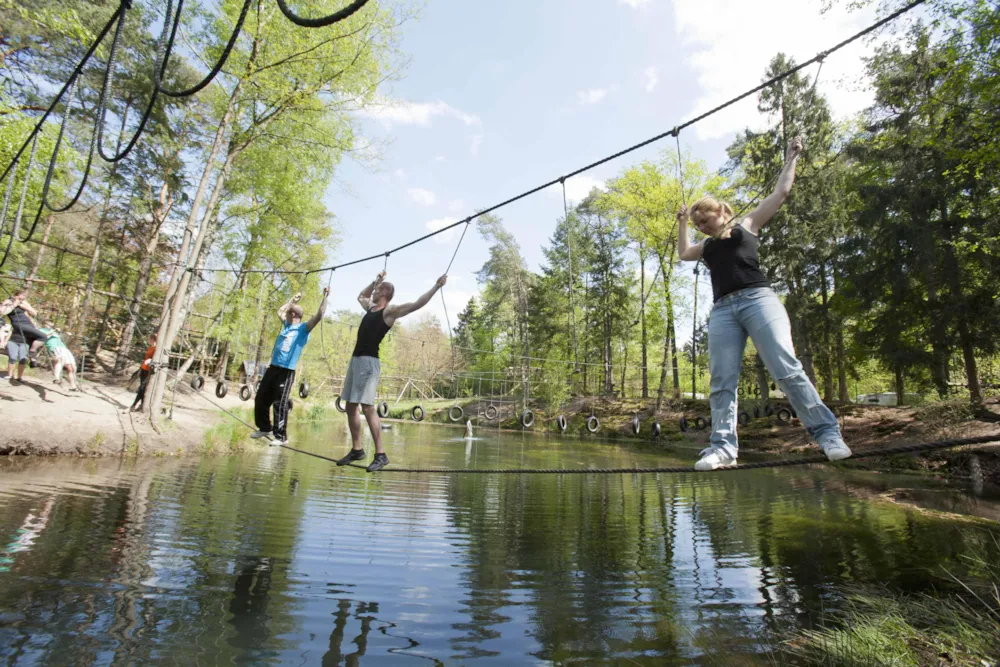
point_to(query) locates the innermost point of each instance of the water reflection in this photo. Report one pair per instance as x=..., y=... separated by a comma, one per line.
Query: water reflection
x=283, y=559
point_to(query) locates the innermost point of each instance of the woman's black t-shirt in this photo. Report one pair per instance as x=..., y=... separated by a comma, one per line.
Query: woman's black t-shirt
x=733, y=263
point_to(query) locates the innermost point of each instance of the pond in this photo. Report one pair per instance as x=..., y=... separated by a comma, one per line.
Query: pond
x=276, y=558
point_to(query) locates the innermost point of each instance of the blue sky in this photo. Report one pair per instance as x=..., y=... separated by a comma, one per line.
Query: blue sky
x=499, y=97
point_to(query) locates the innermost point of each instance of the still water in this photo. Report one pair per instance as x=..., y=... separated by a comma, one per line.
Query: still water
x=281, y=559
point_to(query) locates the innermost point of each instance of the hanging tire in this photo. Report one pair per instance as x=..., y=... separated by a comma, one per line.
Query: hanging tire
x=339, y=404
x=784, y=415
x=655, y=430
x=562, y=423
x=221, y=389
x=756, y=392
x=635, y=425
x=455, y=413
x=197, y=382
x=743, y=418
x=304, y=389
x=593, y=424
x=417, y=413
x=768, y=410
x=245, y=393
x=756, y=412
x=491, y=413
x=383, y=409
x=527, y=418
x=700, y=423
x=256, y=387
x=740, y=391
x=683, y=423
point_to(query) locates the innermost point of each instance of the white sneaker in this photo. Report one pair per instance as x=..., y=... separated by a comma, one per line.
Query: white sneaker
x=713, y=458
x=836, y=450
x=260, y=434
x=278, y=442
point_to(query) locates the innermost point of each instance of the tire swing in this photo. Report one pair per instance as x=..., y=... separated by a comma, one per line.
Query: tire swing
x=655, y=430
x=683, y=423
x=756, y=412
x=491, y=412
x=593, y=424
x=784, y=416
x=527, y=418
x=304, y=389
x=700, y=423
x=221, y=389
x=339, y=404
x=562, y=423
x=382, y=409
x=197, y=382
x=417, y=413
x=743, y=418
x=455, y=413
x=635, y=425
x=245, y=393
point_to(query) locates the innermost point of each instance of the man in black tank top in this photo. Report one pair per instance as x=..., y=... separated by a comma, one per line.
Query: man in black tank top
x=361, y=381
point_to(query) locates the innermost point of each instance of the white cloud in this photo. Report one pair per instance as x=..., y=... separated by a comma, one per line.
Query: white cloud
x=439, y=158
x=726, y=66
x=652, y=78
x=400, y=174
x=440, y=223
x=591, y=95
x=399, y=112
x=577, y=188
x=421, y=196
x=634, y=4
x=475, y=141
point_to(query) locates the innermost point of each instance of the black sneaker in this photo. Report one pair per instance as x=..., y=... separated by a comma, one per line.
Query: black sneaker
x=380, y=461
x=353, y=455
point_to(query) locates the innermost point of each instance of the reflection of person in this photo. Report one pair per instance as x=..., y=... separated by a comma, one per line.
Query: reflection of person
x=276, y=385
x=61, y=357
x=364, y=369
x=26, y=535
x=25, y=338
x=745, y=305
x=145, y=370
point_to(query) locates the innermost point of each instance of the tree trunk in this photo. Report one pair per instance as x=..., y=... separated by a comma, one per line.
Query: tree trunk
x=900, y=386
x=673, y=348
x=842, y=390
x=763, y=382
x=41, y=251
x=642, y=320
x=663, y=371
x=826, y=358
x=800, y=328
x=223, y=361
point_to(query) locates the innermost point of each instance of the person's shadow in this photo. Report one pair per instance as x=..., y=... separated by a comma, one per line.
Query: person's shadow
x=41, y=391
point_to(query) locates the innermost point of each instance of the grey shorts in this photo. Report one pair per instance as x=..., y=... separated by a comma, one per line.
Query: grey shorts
x=361, y=383
x=17, y=352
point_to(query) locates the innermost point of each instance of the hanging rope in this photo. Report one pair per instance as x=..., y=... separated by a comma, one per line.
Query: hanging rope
x=324, y=21
x=780, y=463
x=226, y=52
x=45, y=203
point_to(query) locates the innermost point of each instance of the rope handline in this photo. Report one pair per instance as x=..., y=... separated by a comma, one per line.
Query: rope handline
x=780, y=463
x=323, y=21
x=467, y=222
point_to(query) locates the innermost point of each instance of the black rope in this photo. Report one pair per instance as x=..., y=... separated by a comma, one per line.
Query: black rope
x=323, y=21
x=781, y=463
x=226, y=52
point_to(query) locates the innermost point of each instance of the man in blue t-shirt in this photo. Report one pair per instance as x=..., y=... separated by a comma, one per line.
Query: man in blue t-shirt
x=279, y=378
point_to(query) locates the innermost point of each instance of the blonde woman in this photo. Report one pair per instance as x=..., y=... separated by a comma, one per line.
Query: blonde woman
x=745, y=305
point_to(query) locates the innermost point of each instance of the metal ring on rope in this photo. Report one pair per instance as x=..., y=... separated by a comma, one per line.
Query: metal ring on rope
x=417, y=413
x=221, y=389
x=656, y=430
x=491, y=412
x=197, y=382
x=304, y=389
x=593, y=424
x=743, y=418
x=382, y=409
x=245, y=393
x=339, y=404
x=635, y=425
x=322, y=21
x=784, y=416
x=527, y=418
x=455, y=413
x=562, y=423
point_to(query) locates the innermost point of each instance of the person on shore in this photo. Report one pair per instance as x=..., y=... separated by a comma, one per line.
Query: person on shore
x=279, y=378
x=25, y=338
x=364, y=369
x=745, y=305
x=62, y=358
x=145, y=370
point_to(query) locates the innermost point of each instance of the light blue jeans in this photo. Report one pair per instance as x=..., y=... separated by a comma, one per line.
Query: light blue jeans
x=757, y=312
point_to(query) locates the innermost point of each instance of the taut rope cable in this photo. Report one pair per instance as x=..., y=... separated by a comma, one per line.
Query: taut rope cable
x=780, y=463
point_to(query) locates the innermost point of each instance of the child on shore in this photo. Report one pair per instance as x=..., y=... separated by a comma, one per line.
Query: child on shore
x=60, y=355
